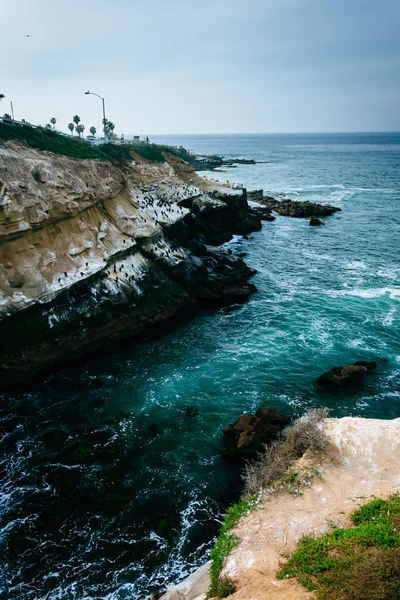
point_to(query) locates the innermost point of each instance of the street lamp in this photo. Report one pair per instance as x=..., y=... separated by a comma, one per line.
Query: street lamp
x=104, y=111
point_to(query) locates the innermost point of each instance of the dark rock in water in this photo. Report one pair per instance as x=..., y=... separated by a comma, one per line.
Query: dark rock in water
x=315, y=222
x=255, y=195
x=199, y=244
x=250, y=433
x=191, y=411
x=341, y=377
x=262, y=213
x=54, y=439
x=298, y=209
x=77, y=454
x=64, y=480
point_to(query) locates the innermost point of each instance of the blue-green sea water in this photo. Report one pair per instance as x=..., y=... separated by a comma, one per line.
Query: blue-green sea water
x=144, y=515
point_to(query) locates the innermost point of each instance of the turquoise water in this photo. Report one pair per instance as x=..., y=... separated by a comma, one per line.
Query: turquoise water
x=146, y=515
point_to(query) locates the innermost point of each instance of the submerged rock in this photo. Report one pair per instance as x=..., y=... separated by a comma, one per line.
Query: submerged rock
x=341, y=377
x=250, y=433
x=315, y=222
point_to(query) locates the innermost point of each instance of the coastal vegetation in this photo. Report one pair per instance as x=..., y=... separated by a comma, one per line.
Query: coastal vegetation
x=272, y=469
x=52, y=141
x=224, y=586
x=358, y=563
x=274, y=465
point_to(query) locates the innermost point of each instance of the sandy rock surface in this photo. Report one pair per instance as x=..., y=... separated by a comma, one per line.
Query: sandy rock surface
x=365, y=462
x=369, y=453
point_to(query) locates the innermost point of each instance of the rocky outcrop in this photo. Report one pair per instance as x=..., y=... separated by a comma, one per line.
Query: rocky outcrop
x=298, y=209
x=91, y=253
x=250, y=433
x=264, y=214
x=342, y=377
x=213, y=163
x=363, y=465
x=315, y=222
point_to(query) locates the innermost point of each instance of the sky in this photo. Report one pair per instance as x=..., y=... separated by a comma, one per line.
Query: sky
x=204, y=66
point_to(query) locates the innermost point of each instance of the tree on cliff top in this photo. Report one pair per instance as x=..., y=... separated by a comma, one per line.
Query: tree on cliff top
x=93, y=130
x=80, y=129
x=71, y=127
x=53, y=121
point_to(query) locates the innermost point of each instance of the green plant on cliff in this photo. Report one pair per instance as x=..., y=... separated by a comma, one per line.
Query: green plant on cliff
x=226, y=541
x=52, y=141
x=357, y=563
x=275, y=464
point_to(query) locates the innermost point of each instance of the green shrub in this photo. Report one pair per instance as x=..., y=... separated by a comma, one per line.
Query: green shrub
x=225, y=543
x=52, y=141
x=358, y=563
x=226, y=587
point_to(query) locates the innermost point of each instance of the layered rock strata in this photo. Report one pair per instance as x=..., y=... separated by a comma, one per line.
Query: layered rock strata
x=91, y=253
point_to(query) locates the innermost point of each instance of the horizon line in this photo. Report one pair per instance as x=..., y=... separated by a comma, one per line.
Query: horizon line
x=282, y=132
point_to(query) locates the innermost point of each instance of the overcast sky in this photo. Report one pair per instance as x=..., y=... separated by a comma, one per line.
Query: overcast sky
x=204, y=66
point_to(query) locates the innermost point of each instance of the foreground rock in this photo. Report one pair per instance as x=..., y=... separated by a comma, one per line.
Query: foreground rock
x=250, y=433
x=315, y=222
x=367, y=466
x=298, y=209
x=193, y=587
x=93, y=252
x=342, y=377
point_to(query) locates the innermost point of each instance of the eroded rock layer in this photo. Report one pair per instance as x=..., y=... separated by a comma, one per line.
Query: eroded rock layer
x=91, y=253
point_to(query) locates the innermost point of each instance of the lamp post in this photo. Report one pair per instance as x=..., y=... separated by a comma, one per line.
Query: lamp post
x=104, y=110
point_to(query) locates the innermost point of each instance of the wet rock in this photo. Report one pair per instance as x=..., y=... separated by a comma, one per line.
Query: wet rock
x=255, y=195
x=262, y=213
x=298, y=209
x=315, y=222
x=190, y=411
x=342, y=377
x=250, y=433
x=54, y=439
x=115, y=499
x=78, y=453
x=63, y=479
x=199, y=245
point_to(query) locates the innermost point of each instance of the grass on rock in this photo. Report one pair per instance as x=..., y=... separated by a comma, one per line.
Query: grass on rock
x=52, y=141
x=223, y=587
x=357, y=563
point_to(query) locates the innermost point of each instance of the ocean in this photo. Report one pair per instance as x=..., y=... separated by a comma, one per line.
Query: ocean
x=326, y=296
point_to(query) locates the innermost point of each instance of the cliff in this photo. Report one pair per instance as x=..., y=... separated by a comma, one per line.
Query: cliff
x=92, y=251
x=363, y=464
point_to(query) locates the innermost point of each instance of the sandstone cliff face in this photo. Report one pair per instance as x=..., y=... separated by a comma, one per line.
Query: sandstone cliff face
x=91, y=252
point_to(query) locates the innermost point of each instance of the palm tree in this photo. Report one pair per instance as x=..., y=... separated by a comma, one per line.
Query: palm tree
x=76, y=120
x=71, y=127
x=53, y=121
x=80, y=129
x=109, y=129
x=93, y=130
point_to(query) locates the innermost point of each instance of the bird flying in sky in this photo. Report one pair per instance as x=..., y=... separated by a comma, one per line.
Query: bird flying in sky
x=28, y=35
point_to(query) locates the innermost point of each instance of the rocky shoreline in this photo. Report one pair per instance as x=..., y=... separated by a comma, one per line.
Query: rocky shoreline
x=92, y=253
